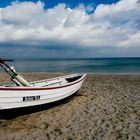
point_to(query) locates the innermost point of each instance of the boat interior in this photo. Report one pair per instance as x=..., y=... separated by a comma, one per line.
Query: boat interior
x=58, y=81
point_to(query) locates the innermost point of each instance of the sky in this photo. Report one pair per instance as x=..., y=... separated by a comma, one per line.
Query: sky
x=69, y=28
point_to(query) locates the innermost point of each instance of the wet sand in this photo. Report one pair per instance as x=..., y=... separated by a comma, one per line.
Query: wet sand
x=106, y=108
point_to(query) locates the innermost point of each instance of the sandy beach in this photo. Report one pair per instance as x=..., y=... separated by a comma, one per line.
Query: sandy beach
x=106, y=108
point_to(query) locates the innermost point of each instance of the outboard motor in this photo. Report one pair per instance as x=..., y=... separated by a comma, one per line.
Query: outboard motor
x=18, y=79
x=15, y=77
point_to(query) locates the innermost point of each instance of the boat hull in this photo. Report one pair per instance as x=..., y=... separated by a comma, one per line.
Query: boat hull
x=25, y=97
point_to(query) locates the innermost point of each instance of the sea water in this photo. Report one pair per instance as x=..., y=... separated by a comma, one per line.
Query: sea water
x=88, y=65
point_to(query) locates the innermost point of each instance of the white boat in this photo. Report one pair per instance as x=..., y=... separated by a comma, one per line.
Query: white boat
x=24, y=94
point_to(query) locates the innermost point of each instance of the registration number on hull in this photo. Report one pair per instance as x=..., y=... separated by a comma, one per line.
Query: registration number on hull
x=31, y=98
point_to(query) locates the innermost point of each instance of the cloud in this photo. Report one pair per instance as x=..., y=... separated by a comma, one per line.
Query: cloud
x=104, y=28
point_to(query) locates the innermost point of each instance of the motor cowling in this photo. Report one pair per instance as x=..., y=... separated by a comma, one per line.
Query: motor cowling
x=21, y=80
x=18, y=79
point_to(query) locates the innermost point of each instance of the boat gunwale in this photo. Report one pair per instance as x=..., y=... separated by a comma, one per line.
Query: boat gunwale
x=43, y=88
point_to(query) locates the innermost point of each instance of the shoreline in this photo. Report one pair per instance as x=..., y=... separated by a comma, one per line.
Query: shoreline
x=106, y=107
x=88, y=73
